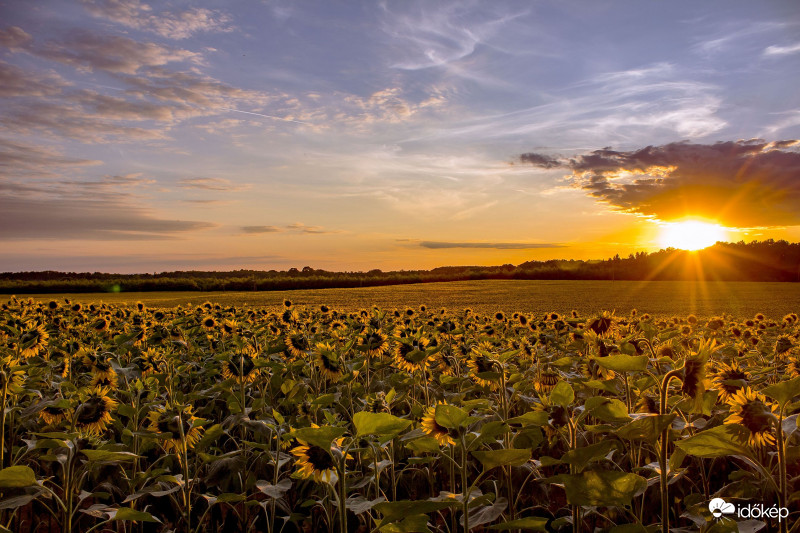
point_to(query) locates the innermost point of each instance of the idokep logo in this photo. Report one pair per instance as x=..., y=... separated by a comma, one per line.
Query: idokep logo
x=719, y=507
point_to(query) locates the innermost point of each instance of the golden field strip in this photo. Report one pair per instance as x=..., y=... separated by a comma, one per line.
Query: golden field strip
x=704, y=299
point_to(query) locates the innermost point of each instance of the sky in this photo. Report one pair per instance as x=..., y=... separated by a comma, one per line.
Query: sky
x=143, y=136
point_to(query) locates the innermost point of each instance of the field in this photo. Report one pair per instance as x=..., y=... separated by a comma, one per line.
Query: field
x=659, y=298
x=322, y=412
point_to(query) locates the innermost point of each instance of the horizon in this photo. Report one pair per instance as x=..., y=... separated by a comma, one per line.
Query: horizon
x=153, y=137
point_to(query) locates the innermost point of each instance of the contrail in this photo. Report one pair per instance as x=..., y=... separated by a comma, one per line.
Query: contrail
x=265, y=116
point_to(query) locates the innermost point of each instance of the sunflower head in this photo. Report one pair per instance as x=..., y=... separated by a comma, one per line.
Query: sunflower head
x=433, y=429
x=751, y=409
x=603, y=325
x=728, y=379
x=33, y=340
x=176, y=422
x=93, y=415
x=547, y=381
x=410, y=354
x=328, y=361
x=314, y=462
x=55, y=412
x=375, y=343
x=241, y=365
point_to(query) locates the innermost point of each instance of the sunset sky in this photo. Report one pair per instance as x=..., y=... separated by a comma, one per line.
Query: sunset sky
x=141, y=136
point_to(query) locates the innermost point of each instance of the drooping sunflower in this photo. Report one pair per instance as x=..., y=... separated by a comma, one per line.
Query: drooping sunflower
x=55, y=412
x=410, y=354
x=547, y=381
x=93, y=415
x=314, y=462
x=433, y=429
x=794, y=365
x=98, y=363
x=172, y=420
x=728, y=379
x=33, y=340
x=108, y=381
x=752, y=410
x=241, y=365
x=328, y=361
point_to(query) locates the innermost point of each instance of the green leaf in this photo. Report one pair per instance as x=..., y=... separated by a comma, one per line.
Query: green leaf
x=719, y=441
x=580, y=457
x=604, y=488
x=126, y=513
x=324, y=400
x=562, y=394
x=274, y=491
x=15, y=477
x=534, y=523
x=492, y=458
x=623, y=363
x=628, y=528
x=367, y=423
x=647, y=428
x=531, y=418
x=607, y=409
x=417, y=523
x=321, y=437
x=450, y=416
x=210, y=435
x=393, y=511
x=108, y=455
x=423, y=445
x=784, y=391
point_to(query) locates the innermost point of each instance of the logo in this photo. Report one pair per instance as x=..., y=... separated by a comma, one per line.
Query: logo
x=719, y=507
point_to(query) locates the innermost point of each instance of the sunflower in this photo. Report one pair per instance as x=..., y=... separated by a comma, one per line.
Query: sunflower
x=479, y=364
x=328, y=361
x=94, y=414
x=314, y=462
x=229, y=327
x=242, y=365
x=750, y=409
x=33, y=340
x=410, y=355
x=208, y=323
x=296, y=344
x=101, y=380
x=55, y=413
x=794, y=365
x=175, y=421
x=150, y=362
x=375, y=343
x=725, y=378
x=602, y=326
x=98, y=364
x=11, y=376
x=433, y=429
x=100, y=325
x=547, y=381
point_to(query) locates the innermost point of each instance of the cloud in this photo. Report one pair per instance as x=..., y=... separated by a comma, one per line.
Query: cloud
x=260, y=229
x=211, y=184
x=737, y=183
x=302, y=228
x=14, y=38
x=782, y=50
x=539, y=160
x=22, y=159
x=87, y=50
x=66, y=219
x=172, y=25
x=436, y=245
x=15, y=82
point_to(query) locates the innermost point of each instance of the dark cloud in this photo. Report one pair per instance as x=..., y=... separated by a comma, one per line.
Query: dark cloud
x=260, y=229
x=737, y=183
x=435, y=245
x=540, y=160
x=66, y=219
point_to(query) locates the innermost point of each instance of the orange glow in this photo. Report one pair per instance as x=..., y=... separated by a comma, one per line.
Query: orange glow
x=691, y=234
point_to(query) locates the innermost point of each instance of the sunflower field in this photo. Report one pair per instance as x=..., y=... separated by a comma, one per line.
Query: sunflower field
x=120, y=417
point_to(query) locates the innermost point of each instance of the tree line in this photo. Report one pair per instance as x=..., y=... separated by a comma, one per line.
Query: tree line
x=767, y=260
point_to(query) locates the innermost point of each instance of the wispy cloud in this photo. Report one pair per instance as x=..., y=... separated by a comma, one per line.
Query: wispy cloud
x=211, y=184
x=782, y=50
x=436, y=245
x=260, y=229
x=738, y=183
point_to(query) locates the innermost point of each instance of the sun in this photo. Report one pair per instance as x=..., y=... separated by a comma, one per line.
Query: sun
x=691, y=234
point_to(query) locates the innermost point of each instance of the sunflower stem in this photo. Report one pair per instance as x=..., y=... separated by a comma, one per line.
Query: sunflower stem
x=782, y=481
x=662, y=455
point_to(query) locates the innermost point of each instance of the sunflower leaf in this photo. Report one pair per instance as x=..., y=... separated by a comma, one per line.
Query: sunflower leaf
x=533, y=523
x=17, y=477
x=784, y=391
x=367, y=423
x=321, y=437
x=719, y=441
x=623, y=363
x=601, y=488
x=508, y=457
x=647, y=428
